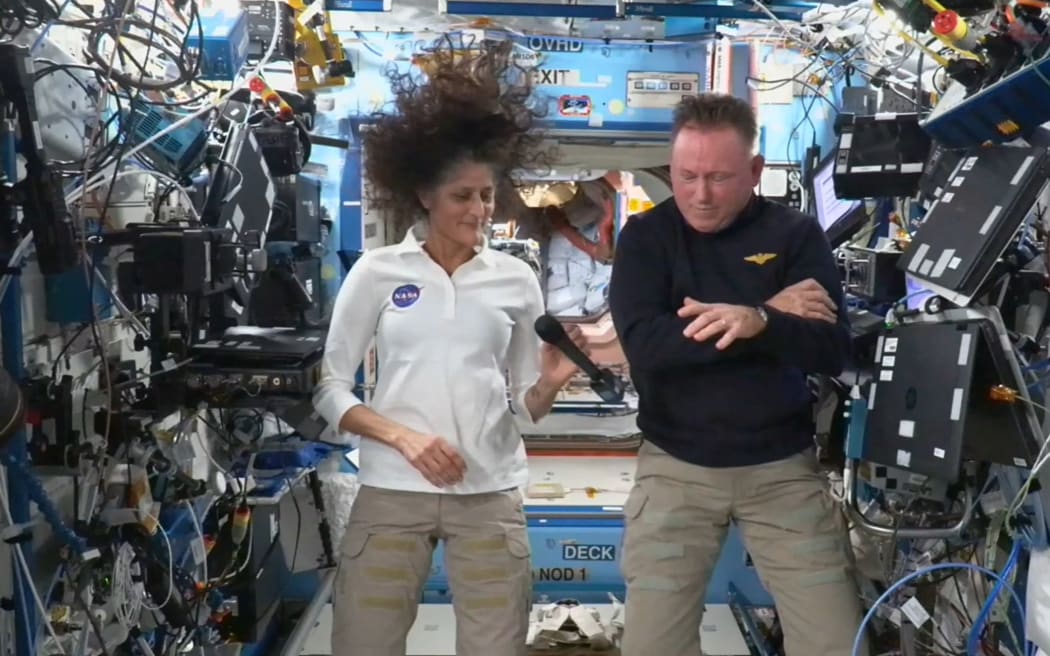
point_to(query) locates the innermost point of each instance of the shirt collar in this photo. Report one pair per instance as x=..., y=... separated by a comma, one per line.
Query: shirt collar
x=417, y=234
x=755, y=207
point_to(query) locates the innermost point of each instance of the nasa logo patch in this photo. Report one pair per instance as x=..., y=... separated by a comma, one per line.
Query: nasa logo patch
x=405, y=295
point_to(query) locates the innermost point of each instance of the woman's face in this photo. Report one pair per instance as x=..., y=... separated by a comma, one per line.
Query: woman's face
x=460, y=206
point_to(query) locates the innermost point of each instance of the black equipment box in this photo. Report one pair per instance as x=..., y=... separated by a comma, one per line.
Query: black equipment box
x=173, y=260
x=257, y=364
x=282, y=147
x=222, y=380
x=257, y=588
x=931, y=403
x=873, y=274
x=261, y=22
x=879, y=156
x=974, y=220
x=296, y=210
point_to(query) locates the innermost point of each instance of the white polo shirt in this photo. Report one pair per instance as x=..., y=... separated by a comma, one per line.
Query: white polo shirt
x=443, y=345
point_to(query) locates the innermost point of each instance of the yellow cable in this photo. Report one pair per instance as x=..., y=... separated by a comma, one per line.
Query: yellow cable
x=934, y=5
x=935, y=56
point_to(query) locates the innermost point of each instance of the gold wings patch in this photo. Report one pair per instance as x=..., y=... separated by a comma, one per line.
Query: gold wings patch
x=760, y=258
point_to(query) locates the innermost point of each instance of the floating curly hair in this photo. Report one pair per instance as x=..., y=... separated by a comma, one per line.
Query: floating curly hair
x=473, y=105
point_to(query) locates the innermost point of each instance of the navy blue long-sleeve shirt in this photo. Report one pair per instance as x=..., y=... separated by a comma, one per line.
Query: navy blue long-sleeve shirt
x=748, y=404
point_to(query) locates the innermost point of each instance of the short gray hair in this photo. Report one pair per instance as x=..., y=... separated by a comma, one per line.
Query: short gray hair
x=716, y=110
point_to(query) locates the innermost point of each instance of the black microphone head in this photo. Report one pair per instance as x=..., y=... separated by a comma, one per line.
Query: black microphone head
x=550, y=329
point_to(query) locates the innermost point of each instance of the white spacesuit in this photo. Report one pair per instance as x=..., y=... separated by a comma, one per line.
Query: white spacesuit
x=577, y=286
x=577, y=283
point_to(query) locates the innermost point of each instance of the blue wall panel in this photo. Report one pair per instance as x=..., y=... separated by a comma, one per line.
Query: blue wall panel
x=351, y=235
x=330, y=160
x=789, y=129
x=585, y=84
x=621, y=88
x=588, y=87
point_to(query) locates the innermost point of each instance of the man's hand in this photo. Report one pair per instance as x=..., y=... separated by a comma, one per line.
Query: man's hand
x=806, y=299
x=435, y=458
x=732, y=322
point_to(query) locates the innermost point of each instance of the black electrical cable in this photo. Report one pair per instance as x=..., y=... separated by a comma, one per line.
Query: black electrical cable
x=65, y=348
x=79, y=583
x=26, y=14
x=91, y=266
x=108, y=145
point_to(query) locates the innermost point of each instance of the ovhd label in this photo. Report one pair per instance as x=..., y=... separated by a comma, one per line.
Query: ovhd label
x=554, y=44
x=591, y=552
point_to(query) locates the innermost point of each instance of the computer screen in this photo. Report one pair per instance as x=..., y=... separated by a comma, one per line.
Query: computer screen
x=840, y=219
x=830, y=210
x=917, y=294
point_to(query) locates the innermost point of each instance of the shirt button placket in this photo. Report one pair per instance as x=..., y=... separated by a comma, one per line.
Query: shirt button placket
x=450, y=298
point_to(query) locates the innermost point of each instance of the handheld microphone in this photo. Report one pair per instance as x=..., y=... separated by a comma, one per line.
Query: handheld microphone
x=604, y=382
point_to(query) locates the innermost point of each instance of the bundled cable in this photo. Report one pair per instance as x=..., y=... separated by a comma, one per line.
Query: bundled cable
x=18, y=15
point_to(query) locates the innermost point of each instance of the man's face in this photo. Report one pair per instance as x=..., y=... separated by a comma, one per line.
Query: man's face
x=713, y=175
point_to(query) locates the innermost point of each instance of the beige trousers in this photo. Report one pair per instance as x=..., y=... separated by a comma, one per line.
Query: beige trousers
x=385, y=559
x=677, y=516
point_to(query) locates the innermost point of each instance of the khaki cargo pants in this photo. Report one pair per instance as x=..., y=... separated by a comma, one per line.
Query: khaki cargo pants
x=677, y=516
x=385, y=560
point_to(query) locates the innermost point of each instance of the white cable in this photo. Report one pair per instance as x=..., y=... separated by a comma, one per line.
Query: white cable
x=80, y=191
x=26, y=572
x=241, y=484
x=126, y=603
x=806, y=37
x=200, y=535
x=99, y=178
x=59, y=571
x=16, y=259
x=1040, y=460
x=190, y=117
x=247, y=555
x=128, y=315
x=171, y=562
x=24, y=247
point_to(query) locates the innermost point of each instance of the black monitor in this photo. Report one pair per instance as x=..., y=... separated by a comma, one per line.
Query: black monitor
x=933, y=402
x=241, y=199
x=957, y=249
x=296, y=210
x=242, y=190
x=840, y=219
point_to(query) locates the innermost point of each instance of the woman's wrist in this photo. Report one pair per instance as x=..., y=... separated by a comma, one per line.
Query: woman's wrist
x=548, y=385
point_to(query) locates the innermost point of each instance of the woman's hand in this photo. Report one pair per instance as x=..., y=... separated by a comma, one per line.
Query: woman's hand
x=556, y=369
x=432, y=456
